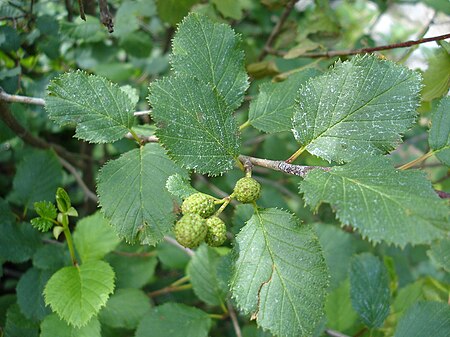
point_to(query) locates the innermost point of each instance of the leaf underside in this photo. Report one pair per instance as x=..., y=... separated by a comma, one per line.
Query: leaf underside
x=383, y=203
x=280, y=276
x=101, y=111
x=359, y=107
x=133, y=195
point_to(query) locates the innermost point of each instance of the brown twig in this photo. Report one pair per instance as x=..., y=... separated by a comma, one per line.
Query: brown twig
x=143, y=139
x=334, y=53
x=68, y=5
x=234, y=319
x=279, y=165
x=442, y=194
x=169, y=289
x=277, y=29
x=81, y=7
x=28, y=138
x=105, y=15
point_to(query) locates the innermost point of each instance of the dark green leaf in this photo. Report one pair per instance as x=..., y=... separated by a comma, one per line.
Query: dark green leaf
x=18, y=326
x=273, y=108
x=360, y=107
x=196, y=126
x=174, y=320
x=439, y=138
x=38, y=176
x=29, y=294
x=101, y=111
x=440, y=253
x=133, y=195
x=383, y=203
x=280, y=276
x=210, y=52
x=18, y=242
x=369, y=289
x=203, y=273
x=425, y=319
x=172, y=11
x=125, y=308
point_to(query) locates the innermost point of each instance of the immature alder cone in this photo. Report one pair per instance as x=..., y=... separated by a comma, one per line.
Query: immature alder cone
x=217, y=232
x=190, y=230
x=199, y=203
x=247, y=190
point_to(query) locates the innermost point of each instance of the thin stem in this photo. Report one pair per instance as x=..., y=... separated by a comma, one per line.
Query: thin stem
x=234, y=319
x=334, y=333
x=87, y=192
x=244, y=125
x=70, y=244
x=334, y=53
x=180, y=281
x=169, y=289
x=175, y=243
x=416, y=161
x=295, y=155
x=143, y=139
x=136, y=137
x=277, y=29
x=224, y=205
x=216, y=316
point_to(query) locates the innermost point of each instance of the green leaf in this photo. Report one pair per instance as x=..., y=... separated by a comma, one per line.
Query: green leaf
x=440, y=253
x=101, y=111
x=53, y=326
x=273, y=108
x=94, y=238
x=45, y=209
x=280, y=276
x=172, y=257
x=179, y=186
x=17, y=325
x=129, y=16
x=338, y=308
x=383, y=203
x=135, y=268
x=203, y=273
x=425, y=319
x=174, y=320
x=51, y=257
x=6, y=216
x=211, y=52
x=29, y=294
x=338, y=248
x=133, y=196
x=359, y=107
x=369, y=289
x=44, y=225
x=62, y=200
x=439, y=138
x=38, y=176
x=196, y=126
x=172, y=11
x=90, y=30
x=18, y=242
x=125, y=309
x=229, y=8
x=436, y=78
x=76, y=294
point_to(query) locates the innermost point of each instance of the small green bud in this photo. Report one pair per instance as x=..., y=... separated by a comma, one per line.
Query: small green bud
x=247, y=190
x=190, y=230
x=199, y=203
x=62, y=200
x=217, y=232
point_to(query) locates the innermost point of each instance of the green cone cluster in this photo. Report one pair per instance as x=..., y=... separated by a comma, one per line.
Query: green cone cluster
x=247, y=190
x=198, y=223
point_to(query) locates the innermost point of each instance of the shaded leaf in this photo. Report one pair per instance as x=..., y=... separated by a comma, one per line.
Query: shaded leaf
x=101, y=111
x=359, y=107
x=369, y=289
x=53, y=326
x=172, y=11
x=17, y=325
x=280, y=276
x=440, y=253
x=18, y=242
x=211, y=52
x=196, y=126
x=425, y=319
x=229, y=8
x=338, y=308
x=439, y=138
x=38, y=176
x=125, y=308
x=76, y=294
x=86, y=237
x=383, y=203
x=175, y=320
x=126, y=189
x=29, y=294
x=203, y=274
x=273, y=108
